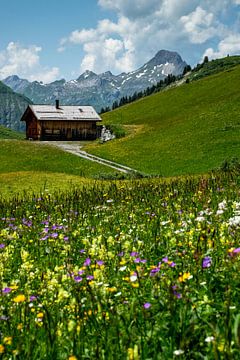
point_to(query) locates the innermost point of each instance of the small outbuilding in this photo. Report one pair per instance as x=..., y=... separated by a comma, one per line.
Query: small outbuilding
x=49, y=122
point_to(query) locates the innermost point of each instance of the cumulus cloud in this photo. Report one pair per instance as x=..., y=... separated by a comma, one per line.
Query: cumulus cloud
x=228, y=46
x=199, y=25
x=133, y=8
x=145, y=26
x=25, y=62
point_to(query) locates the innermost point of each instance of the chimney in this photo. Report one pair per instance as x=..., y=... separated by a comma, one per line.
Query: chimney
x=57, y=104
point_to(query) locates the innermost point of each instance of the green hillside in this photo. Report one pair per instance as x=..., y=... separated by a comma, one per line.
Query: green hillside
x=6, y=133
x=189, y=129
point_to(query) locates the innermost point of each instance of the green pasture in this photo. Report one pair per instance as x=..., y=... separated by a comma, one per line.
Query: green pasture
x=190, y=129
x=6, y=133
x=30, y=166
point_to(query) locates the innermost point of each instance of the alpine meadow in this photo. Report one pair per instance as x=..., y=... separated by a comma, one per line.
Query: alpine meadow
x=142, y=264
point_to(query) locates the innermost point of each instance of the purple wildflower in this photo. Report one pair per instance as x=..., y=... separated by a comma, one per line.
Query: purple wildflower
x=33, y=298
x=90, y=277
x=172, y=264
x=80, y=272
x=82, y=251
x=177, y=294
x=165, y=259
x=54, y=235
x=77, y=279
x=236, y=251
x=6, y=290
x=66, y=238
x=134, y=253
x=2, y=246
x=87, y=262
x=147, y=305
x=100, y=262
x=154, y=271
x=206, y=263
x=121, y=254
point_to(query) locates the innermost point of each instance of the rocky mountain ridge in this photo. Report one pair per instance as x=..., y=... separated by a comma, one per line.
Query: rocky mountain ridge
x=100, y=90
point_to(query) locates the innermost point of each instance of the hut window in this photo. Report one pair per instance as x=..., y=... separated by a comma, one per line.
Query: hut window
x=56, y=131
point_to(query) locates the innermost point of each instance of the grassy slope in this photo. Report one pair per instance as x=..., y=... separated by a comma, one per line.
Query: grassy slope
x=32, y=166
x=189, y=129
x=6, y=133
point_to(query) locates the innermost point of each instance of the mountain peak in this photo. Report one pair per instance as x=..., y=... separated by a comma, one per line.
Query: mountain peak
x=166, y=56
x=86, y=75
x=12, y=78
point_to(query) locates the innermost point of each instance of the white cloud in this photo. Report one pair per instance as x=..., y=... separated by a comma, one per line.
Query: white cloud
x=145, y=26
x=228, y=46
x=199, y=25
x=25, y=62
x=133, y=8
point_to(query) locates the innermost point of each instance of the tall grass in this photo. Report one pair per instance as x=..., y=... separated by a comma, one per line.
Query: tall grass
x=134, y=270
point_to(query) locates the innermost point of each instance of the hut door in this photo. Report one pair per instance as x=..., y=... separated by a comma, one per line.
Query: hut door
x=69, y=134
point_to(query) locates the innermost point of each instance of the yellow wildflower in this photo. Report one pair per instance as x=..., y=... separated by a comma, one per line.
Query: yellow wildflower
x=184, y=277
x=19, y=298
x=112, y=289
x=7, y=340
x=20, y=326
x=135, y=285
x=1, y=349
x=13, y=287
x=72, y=357
x=40, y=315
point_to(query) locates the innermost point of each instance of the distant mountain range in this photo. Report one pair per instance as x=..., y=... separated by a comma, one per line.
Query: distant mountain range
x=103, y=89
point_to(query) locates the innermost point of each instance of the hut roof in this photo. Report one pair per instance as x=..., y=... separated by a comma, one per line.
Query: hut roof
x=65, y=113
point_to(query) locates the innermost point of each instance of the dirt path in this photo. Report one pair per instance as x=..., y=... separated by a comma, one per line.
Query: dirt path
x=75, y=149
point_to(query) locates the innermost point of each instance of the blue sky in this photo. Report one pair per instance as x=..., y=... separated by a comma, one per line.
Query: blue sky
x=51, y=39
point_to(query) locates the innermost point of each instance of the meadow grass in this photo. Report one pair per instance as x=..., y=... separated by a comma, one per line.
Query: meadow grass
x=190, y=129
x=33, y=166
x=6, y=133
x=133, y=270
x=34, y=182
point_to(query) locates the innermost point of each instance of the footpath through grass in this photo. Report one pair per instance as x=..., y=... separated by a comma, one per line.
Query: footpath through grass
x=186, y=130
x=136, y=270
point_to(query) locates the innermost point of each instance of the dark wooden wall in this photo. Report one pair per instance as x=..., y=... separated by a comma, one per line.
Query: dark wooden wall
x=60, y=130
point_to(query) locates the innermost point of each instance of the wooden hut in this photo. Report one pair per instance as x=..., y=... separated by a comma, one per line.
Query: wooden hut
x=49, y=122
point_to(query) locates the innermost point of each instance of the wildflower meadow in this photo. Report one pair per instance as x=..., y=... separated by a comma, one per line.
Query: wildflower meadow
x=144, y=269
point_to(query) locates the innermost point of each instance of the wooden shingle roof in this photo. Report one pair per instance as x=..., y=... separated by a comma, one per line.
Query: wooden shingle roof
x=65, y=113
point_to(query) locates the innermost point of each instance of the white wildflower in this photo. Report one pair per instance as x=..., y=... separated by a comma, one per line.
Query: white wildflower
x=234, y=221
x=200, y=218
x=222, y=205
x=133, y=278
x=178, y=352
x=209, y=339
